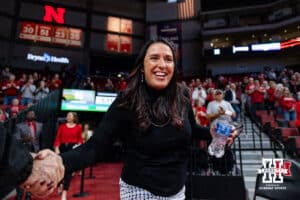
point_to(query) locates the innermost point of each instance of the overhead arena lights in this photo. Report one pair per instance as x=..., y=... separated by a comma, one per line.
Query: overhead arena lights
x=263, y=47
x=240, y=49
x=275, y=46
x=290, y=43
x=217, y=51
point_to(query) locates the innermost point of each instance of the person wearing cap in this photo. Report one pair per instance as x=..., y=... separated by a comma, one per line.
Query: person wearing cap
x=219, y=108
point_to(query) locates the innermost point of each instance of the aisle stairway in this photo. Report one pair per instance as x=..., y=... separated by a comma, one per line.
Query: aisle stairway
x=252, y=154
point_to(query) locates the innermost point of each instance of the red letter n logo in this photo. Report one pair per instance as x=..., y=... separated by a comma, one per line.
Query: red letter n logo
x=56, y=15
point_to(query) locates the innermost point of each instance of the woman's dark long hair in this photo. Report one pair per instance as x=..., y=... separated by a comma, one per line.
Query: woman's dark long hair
x=169, y=106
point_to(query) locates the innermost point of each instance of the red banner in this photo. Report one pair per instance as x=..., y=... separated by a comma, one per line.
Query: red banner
x=125, y=44
x=51, y=34
x=112, y=43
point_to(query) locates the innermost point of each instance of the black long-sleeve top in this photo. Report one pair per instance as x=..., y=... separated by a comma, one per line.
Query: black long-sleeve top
x=156, y=160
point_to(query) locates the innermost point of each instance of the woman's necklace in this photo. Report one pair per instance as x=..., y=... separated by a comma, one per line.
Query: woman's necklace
x=161, y=125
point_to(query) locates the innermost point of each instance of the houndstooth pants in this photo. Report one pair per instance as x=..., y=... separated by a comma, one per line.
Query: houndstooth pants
x=130, y=192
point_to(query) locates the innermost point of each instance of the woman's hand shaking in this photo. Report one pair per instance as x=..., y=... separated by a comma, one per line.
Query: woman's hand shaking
x=47, y=171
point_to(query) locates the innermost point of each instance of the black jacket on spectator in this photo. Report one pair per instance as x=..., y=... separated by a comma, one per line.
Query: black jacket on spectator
x=15, y=162
x=228, y=95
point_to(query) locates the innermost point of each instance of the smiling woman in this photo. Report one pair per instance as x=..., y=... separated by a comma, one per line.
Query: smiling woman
x=159, y=98
x=154, y=119
x=158, y=66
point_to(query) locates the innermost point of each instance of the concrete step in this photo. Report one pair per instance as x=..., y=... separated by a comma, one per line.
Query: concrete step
x=255, y=156
x=250, y=162
x=250, y=144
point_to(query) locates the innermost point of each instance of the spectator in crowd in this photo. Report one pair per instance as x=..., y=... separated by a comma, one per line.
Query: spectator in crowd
x=109, y=86
x=6, y=73
x=3, y=115
x=122, y=84
x=14, y=108
x=288, y=105
x=200, y=113
x=198, y=82
x=10, y=89
x=243, y=92
x=193, y=83
x=272, y=75
x=297, y=74
x=209, y=84
x=42, y=91
x=36, y=78
x=55, y=83
x=68, y=135
x=27, y=92
x=86, y=133
x=88, y=84
x=29, y=133
x=293, y=84
x=278, y=94
x=219, y=108
x=285, y=82
x=199, y=93
x=231, y=97
x=22, y=80
x=270, y=101
x=261, y=77
x=210, y=95
x=222, y=82
x=250, y=87
x=257, y=98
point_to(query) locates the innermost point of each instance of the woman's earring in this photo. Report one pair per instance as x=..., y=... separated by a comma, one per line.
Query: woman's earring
x=142, y=78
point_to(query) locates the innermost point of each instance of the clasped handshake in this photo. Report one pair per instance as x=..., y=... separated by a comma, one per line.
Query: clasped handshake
x=47, y=171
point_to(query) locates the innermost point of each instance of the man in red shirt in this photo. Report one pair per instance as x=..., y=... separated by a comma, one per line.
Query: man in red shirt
x=28, y=133
x=14, y=108
x=257, y=97
x=122, y=84
x=55, y=83
x=10, y=89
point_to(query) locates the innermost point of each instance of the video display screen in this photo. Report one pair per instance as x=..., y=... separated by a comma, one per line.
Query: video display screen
x=86, y=100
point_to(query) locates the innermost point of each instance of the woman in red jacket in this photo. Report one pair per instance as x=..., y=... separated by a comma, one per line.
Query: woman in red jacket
x=68, y=135
x=288, y=104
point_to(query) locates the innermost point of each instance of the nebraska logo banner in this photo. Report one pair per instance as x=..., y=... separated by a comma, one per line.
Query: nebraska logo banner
x=52, y=14
x=273, y=174
x=273, y=170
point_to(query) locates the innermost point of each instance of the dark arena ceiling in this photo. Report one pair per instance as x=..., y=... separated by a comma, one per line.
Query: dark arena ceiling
x=209, y=5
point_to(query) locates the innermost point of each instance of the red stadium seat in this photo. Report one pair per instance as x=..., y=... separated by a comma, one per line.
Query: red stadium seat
x=288, y=132
x=261, y=112
x=266, y=118
x=292, y=124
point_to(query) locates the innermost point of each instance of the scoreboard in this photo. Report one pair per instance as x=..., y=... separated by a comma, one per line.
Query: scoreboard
x=51, y=34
